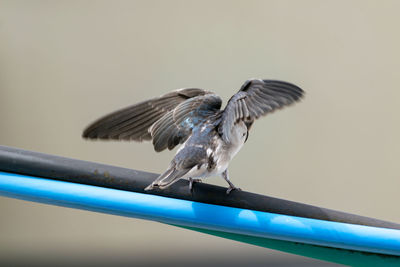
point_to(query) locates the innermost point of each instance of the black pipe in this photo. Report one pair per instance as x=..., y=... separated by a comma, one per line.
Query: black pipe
x=77, y=171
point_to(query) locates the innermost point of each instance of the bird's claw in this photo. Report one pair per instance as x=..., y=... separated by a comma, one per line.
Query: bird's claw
x=191, y=181
x=230, y=189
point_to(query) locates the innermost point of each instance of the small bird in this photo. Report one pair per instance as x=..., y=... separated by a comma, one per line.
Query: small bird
x=210, y=137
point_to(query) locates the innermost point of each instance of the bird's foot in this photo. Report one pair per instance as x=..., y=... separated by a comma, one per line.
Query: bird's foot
x=150, y=187
x=193, y=180
x=231, y=188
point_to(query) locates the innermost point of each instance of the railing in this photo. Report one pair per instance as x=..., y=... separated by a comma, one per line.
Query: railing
x=255, y=219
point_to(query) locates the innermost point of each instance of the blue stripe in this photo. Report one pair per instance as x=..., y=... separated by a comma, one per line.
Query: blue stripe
x=205, y=216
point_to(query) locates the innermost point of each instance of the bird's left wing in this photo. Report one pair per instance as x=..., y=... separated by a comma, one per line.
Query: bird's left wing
x=255, y=99
x=133, y=123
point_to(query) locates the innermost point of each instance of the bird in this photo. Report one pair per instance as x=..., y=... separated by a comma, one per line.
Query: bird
x=191, y=117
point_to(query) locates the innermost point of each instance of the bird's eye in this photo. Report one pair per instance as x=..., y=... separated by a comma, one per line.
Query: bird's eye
x=244, y=134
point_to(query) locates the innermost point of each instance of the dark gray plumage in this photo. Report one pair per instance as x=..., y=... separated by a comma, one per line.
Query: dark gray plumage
x=192, y=117
x=133, y=123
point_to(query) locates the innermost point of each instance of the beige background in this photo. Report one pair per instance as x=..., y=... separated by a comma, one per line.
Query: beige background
x=65, y=63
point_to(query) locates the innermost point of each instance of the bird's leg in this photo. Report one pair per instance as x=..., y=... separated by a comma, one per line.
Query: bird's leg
x=191, y=181
x=231, y=186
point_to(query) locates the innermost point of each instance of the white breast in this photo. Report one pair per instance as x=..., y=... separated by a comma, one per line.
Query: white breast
x=238, y=137
x=225, y=152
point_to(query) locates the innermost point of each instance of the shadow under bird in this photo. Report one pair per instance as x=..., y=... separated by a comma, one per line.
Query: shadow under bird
x=210, y=137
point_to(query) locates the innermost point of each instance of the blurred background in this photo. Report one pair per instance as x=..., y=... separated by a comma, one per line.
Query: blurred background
x=63, y=64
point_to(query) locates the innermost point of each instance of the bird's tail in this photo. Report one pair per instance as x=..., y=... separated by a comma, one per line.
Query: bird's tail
x=168, y=178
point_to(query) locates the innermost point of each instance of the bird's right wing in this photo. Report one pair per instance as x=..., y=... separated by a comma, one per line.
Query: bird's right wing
x=133, y=123
x=257, y=98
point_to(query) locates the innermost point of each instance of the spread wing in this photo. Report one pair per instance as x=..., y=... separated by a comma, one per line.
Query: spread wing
x=133, y=123
x=177, y=125
x=255, y=99
x=168, y=120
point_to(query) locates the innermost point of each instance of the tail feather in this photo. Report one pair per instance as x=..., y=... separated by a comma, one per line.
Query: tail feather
x=168, y=178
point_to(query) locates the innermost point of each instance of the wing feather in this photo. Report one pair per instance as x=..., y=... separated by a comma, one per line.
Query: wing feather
x=133, y=123
x=176, y=126
x=257, y=98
